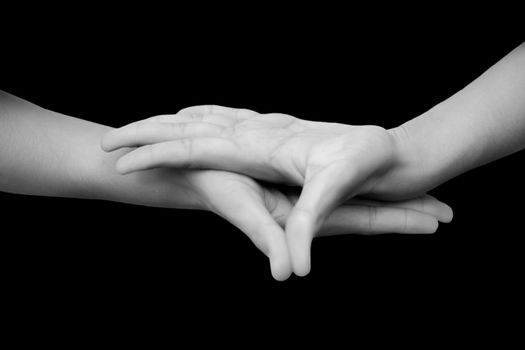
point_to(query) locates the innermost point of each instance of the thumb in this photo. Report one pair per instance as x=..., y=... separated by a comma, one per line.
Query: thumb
x=319, y=197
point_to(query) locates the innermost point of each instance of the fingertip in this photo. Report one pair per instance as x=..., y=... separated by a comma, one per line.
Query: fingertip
x=280, y=263
x=432, y=226
x=448, y=214
x=122, y=166
x=419, y=223
x=279, y=258
x=280, y=268
x=443, y=212
x=105, y=143
x=300, y=256
x=302, y=269
x=299, y=233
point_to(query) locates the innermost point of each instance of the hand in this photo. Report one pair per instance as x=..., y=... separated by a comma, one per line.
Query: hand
x=333, y=162
x=261, y=213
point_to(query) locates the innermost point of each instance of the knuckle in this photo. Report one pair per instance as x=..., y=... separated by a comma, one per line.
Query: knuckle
x=210, y=109
x=184, y=110
x=187, y=148
x=235, y=111
x=245, y=113
x=178, y=129
x=195, y=116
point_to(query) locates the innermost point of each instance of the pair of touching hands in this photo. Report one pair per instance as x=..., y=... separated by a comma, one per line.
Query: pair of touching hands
x=224, y=151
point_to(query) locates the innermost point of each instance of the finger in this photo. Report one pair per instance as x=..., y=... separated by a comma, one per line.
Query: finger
x=138, y=134
x=425, y=204
x=206, y=152
x=300, y=230
x=318, y=198
x=372, y=220
x=180, y=117
x=354, y=214
x=196, y=117
x=255, y=221
x=278, y=250
x=233, y=113
x=186, y=117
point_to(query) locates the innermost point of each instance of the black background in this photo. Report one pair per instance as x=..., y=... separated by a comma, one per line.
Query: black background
x=109, y=257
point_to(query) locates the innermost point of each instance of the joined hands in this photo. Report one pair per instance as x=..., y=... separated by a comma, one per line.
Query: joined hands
x=332, y=162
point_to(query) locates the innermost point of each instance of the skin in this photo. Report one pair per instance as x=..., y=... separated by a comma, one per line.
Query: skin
x=327, y=159
x=334, y=162
x=50, y=154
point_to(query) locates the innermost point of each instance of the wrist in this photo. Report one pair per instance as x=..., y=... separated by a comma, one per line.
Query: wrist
x=422, y=156
x=409, y=174
x=165, y=188
x=97, y=178
x=407, y=153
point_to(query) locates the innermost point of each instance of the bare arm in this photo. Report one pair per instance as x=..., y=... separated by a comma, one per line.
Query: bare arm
x=50, y=154
x=483, y=122
x=47, y=153
x=334, y=162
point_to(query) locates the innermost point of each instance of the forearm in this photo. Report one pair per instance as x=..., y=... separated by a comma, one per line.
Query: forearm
x=50, y=154
x=481, y=123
